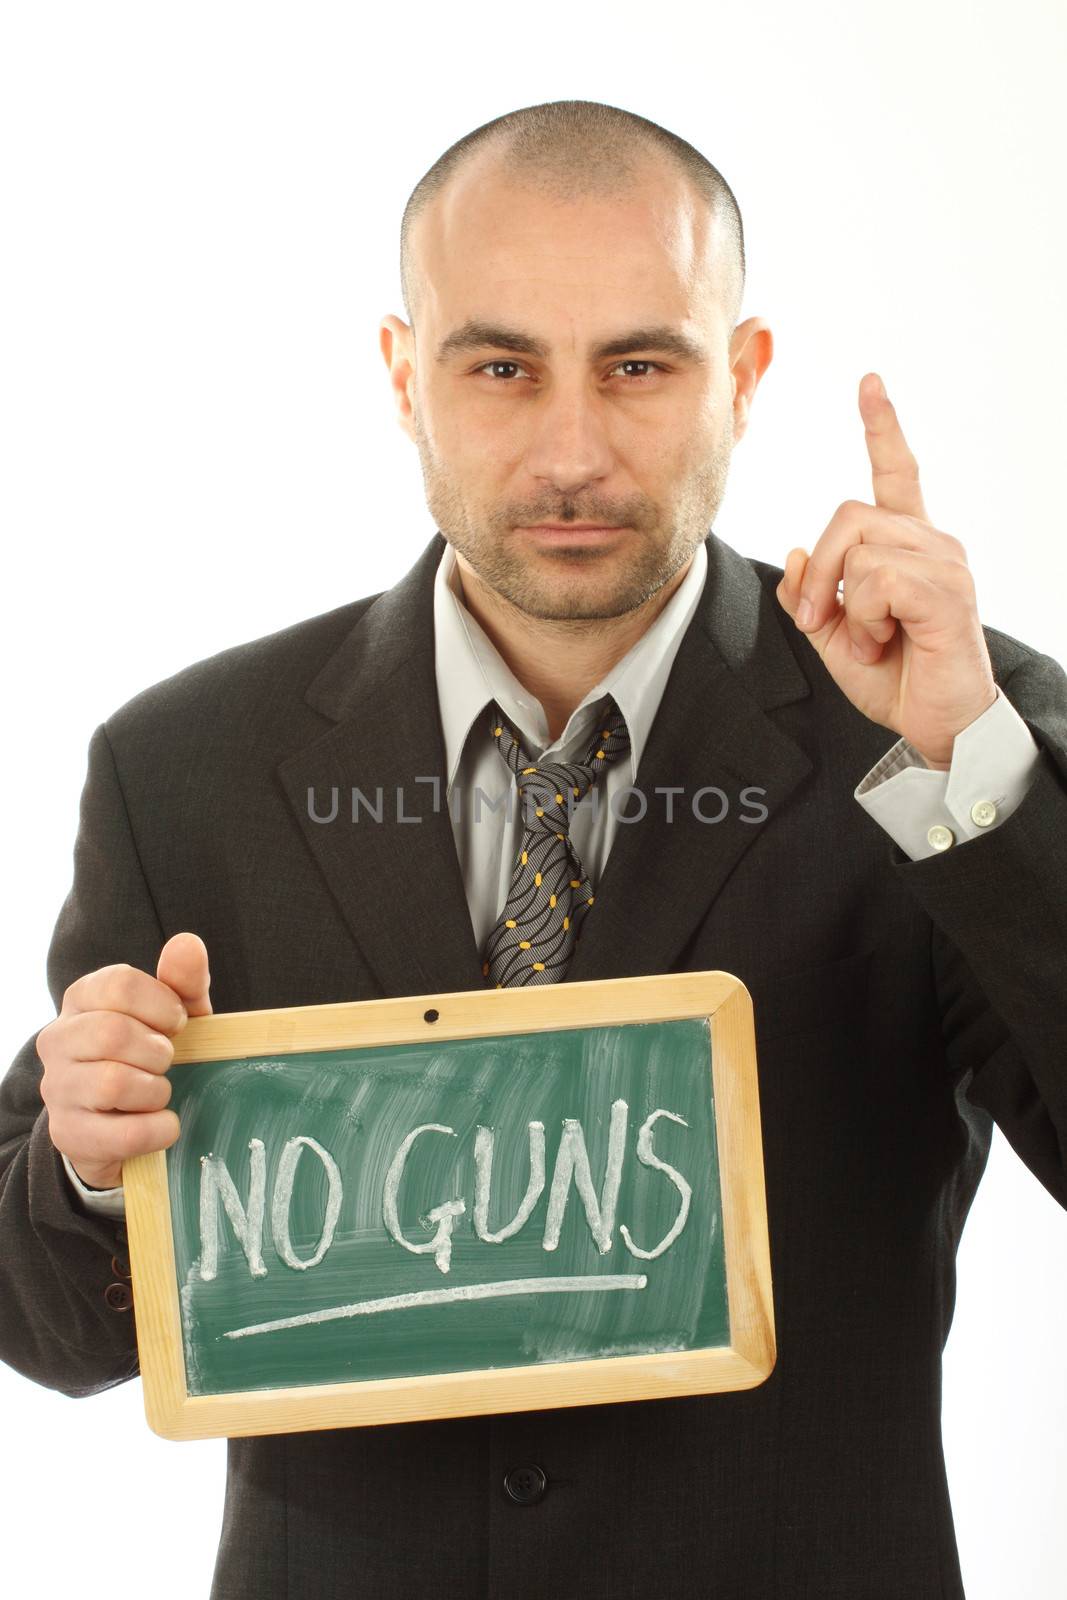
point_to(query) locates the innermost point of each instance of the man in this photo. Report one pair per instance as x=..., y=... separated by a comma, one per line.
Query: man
x=575, y=379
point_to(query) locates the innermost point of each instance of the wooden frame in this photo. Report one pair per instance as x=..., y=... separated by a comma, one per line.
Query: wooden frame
x=748, y=1359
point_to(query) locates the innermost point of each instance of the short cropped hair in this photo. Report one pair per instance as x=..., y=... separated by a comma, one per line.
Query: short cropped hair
x=575, y=148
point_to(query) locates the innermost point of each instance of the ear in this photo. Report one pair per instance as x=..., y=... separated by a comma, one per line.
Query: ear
x=751, y=350
x=397, y=343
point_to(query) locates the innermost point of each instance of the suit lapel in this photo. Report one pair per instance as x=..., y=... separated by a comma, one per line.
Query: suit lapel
x=711, y=733
x=398, y=882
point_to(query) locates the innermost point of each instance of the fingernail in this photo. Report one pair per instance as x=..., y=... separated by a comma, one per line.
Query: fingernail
x=805, y=612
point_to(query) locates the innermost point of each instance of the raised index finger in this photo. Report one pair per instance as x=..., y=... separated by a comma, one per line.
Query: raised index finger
x=894, y=470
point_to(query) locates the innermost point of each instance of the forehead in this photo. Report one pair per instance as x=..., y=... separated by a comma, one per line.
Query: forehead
x=490, y=242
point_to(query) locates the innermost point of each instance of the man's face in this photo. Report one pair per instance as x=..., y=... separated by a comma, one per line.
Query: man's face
x=541, y=429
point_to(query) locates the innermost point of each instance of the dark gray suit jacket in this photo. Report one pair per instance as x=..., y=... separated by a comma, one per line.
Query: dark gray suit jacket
x=900, y=1007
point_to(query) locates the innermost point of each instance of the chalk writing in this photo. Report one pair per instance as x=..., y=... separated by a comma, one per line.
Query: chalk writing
x=572, y=1169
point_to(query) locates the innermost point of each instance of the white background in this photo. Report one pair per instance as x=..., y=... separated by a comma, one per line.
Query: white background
x=201, y=210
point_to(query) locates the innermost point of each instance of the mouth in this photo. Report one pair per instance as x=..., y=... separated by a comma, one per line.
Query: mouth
x=572, y=533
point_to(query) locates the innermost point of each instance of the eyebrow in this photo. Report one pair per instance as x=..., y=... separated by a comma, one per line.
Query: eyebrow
x=478, y=335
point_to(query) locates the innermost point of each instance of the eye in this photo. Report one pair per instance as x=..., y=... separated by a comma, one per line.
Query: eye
x=487, y=364
x=631, y=361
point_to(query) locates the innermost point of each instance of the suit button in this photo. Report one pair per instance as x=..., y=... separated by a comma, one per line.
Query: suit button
x=118, y=1296
x=525, y=1485
x=120, y=1268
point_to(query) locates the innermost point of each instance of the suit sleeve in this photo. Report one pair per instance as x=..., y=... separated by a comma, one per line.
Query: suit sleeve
x=998, y=905
x=65, y=1314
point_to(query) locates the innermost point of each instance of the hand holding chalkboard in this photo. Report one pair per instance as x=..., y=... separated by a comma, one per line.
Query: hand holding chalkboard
x=439, y=1205
x=107, y=1054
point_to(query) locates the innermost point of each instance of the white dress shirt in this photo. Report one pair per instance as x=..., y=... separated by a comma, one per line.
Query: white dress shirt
x=471, y=673
x=924, y=810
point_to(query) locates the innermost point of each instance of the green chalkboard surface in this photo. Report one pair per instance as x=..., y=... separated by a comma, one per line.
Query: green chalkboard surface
x=440, y=1205
x=502, y=1119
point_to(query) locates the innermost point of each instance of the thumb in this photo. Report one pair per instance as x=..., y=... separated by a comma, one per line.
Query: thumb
x=788, y=592
x=183, y=967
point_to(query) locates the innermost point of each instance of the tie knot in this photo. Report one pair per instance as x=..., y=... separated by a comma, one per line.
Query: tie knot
x=551, y=789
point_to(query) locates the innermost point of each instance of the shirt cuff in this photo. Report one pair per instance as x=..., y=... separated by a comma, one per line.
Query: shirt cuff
x=105, y=1202
x=927, y=811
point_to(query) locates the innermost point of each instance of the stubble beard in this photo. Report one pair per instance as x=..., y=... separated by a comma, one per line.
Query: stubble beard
x=506, y=562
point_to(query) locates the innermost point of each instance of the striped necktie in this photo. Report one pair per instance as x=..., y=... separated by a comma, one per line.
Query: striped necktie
x=550, y=894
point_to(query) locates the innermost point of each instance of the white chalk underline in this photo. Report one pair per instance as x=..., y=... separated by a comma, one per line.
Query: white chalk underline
x=437, y=1297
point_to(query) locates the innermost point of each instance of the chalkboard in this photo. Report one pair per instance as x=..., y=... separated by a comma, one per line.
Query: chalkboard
x=447, y=1204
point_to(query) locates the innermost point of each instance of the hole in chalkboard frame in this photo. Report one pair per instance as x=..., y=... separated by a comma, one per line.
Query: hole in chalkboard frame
x=431, y=1015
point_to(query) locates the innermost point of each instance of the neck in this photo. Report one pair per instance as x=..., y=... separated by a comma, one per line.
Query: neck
x=559, y=659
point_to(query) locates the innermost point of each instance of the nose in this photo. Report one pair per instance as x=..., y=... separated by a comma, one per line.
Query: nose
x=569, y=445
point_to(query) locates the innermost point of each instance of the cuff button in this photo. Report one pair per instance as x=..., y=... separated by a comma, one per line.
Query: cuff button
x=118, y=1296
x=939, y=837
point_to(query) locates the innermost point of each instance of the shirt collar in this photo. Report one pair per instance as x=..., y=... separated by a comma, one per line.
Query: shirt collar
x=471, y=672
